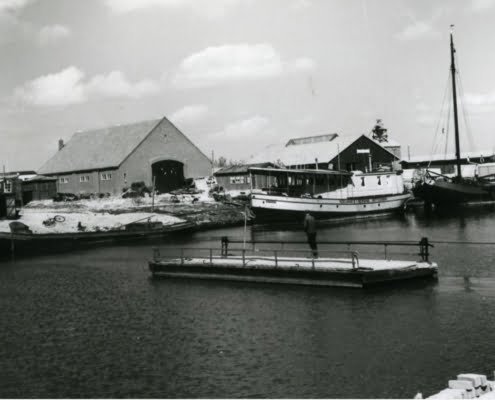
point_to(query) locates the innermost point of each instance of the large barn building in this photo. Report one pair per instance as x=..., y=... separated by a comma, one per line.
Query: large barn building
x=110, y=159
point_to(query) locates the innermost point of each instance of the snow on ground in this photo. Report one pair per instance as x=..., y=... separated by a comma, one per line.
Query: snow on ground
x=114, y=203
x=92, y=221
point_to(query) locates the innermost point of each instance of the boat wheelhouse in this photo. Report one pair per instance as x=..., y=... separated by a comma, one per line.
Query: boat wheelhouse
x=325, y=193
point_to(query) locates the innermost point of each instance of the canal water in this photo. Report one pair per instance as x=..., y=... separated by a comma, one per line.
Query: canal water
x=91, y=323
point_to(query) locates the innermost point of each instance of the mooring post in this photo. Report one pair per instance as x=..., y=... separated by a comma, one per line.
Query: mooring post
x=424, y=249
x=12, y=244
x=225, y=246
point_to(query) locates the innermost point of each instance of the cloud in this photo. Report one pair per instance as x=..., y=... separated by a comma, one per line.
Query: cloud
x=209, y=9
x=237, y=62
x=481, y=5
x=189, y=114
x=53, y=33
x=62, y=88
x=115, y=84
x=243, y=129
x=70, y=87
x=417, y=30
x=298, y=5
x=12, y=6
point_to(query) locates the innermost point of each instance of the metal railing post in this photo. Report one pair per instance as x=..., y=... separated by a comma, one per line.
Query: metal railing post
x=313, y=262
x=386, y=254
x=211, y=256
x=156, y=253
x=225, y=246
x=243, y=257
x=181, y=256
x=276, y=258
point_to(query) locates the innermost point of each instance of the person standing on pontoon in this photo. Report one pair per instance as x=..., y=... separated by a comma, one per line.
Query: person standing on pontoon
x=310, y=229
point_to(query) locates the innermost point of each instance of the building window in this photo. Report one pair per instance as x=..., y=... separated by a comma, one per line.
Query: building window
x=8, y=186
x=63, y=180
x=237, y=180
x=84, y=178
x=106, y=176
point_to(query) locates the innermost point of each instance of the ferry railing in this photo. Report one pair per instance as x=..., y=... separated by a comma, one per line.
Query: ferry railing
x=424, y=244
x=279, y=256
x=272, y=257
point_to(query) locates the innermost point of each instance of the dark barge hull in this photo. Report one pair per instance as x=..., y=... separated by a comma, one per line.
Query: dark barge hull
x=30, y=243
x=443, y=193
x=358, y=278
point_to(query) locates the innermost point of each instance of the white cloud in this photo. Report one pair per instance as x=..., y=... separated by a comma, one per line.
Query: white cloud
x=64, y=87
x=70, y=87
x=229, y=63
x=298, y=5
x=246, y=128
x=481, y=5
x=53, y=33
x=417, y=30
x=7, y=6
x=115, y=84
x=209, y=9
x=189, y=114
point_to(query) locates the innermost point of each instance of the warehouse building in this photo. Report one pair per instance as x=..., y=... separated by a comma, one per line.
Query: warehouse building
x=110, y=159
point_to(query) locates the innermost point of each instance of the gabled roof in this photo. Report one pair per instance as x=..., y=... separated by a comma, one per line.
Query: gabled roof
x=306, y=154
x=312, y=139
x=98, y=149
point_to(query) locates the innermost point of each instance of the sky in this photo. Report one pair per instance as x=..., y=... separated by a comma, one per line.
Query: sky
x=238, y=75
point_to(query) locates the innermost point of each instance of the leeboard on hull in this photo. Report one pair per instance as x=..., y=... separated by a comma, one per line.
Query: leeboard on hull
x=276, y=207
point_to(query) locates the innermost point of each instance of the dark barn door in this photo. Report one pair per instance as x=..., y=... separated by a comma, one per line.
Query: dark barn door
x=168, y=174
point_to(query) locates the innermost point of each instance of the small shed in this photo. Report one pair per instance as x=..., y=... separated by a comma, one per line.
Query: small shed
x=8, y=188
x=37, y=187
x=236, y=178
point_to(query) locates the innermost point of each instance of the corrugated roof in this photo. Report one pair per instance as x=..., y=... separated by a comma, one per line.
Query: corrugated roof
x=305, y=154
x=98, y=149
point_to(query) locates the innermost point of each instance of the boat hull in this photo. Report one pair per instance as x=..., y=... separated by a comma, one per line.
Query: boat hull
x=444, y=193
x=268, y=207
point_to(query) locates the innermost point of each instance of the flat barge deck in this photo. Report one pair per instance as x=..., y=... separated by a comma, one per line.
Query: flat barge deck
x=280, y=268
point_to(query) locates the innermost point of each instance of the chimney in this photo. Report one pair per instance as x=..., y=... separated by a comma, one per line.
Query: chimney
x=60, y=144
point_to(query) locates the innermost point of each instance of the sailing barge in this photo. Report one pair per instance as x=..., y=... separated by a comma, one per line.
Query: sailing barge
x=442, y=190
x=293, y=266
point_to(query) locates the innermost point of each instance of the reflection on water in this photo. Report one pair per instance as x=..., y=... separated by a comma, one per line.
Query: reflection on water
x=93, y=323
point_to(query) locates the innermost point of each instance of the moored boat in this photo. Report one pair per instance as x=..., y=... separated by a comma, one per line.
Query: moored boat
x=326, y=193
x=443, y=190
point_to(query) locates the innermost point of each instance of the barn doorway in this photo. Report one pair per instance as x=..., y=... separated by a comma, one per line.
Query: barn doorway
x=168, y=174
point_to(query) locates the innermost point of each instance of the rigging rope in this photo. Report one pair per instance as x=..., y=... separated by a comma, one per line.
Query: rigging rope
x=435, y=143
x=463, y=107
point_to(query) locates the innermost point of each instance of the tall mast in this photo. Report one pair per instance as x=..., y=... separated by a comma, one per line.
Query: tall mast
x=454, y=93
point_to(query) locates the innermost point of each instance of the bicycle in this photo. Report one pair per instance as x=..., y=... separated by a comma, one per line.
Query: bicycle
x=54, y=220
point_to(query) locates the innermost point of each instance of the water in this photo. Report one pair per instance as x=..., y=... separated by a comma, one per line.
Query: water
x=93, y=323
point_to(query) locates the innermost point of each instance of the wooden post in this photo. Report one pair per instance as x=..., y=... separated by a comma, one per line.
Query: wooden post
x=153, y=195
x=12, y=244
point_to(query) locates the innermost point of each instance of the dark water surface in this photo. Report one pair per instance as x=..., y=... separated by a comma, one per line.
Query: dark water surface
x=93, y=323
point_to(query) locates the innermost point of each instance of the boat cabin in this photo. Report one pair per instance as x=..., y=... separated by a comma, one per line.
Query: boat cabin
x=299, y=182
